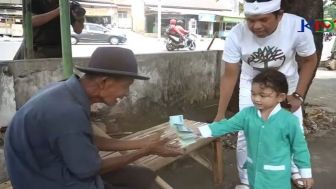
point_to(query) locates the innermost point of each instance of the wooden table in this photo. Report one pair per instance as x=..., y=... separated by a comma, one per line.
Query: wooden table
x=155, y=162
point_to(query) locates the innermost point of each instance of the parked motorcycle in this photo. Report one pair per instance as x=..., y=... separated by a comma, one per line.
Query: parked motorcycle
x=173, y=42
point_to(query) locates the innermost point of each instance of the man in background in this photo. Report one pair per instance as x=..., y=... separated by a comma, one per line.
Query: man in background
x=47, y=29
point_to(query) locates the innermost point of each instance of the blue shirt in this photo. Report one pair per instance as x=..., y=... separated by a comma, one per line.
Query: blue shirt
x=49, y=142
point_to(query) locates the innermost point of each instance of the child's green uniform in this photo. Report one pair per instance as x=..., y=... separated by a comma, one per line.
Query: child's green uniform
x=270, y=145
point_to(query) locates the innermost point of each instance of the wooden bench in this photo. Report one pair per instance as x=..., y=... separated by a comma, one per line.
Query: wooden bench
x=155, y=162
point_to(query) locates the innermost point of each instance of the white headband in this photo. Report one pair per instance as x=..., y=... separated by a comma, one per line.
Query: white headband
x=257, y=8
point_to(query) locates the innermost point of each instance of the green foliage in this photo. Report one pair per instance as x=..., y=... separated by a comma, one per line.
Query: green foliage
x=330, y=11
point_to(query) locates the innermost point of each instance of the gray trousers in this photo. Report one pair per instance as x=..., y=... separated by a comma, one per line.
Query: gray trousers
x=129, y=177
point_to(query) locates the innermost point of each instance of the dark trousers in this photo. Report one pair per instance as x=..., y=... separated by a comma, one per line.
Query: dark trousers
x=129, y=177
x=40, y=52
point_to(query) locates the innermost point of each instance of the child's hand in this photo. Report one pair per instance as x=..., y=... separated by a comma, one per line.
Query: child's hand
x=307, y=182
x=196, y=132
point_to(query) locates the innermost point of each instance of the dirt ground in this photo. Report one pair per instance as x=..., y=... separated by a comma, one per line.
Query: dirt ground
x=187, y=174
x=320, y=133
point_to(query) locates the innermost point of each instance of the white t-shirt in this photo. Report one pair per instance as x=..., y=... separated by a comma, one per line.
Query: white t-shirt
x=276, y=50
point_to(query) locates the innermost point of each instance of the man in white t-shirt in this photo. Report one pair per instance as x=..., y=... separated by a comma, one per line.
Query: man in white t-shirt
x=269, y=38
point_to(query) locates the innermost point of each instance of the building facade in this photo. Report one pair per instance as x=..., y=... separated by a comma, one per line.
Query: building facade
x=203, y=17
x=11, y=18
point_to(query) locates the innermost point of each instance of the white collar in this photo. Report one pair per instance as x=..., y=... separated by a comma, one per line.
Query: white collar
x=275, y=110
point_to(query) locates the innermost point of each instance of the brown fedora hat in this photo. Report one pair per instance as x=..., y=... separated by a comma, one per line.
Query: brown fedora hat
x=113, y=61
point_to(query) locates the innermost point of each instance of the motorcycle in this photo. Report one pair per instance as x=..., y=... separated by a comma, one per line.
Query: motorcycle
x=173, y=42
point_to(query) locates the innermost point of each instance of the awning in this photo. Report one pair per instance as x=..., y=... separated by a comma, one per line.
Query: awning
x=188, y=11
x=99, y=11
x=233, y=19
x=89, y=4
x=10, y=12
x=209, y=18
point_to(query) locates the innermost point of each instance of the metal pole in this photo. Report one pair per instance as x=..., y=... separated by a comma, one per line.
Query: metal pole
x=159, y=19
x=66, y=44
x=27, y=29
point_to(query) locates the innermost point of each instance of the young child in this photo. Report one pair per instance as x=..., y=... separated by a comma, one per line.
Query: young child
x=273, y=135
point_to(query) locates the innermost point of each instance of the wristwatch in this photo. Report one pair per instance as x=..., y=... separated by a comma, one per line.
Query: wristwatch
x=298, y=96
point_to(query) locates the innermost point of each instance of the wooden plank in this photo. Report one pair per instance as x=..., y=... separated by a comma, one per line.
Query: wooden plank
x=218, y=161
x=163, y=184
x=201, y=160
x=156, y=162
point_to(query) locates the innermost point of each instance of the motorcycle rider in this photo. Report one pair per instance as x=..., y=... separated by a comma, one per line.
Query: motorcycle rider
x=171, y=27
x=181, y=31
x=175, y=29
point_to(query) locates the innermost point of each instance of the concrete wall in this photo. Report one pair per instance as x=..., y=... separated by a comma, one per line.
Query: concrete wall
x=7, y=96
x=178, y=79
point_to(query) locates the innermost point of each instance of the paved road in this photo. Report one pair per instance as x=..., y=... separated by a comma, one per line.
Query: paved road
x=323, y=89
x=138, y=43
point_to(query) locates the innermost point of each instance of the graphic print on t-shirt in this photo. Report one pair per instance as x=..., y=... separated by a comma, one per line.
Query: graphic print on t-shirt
x=268, y=57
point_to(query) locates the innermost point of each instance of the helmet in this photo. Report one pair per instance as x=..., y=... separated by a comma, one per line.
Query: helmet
x=172, y=21
x=179, y=22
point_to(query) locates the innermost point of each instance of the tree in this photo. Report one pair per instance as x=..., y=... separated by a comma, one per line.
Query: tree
x=329, y=9
x=313, y=9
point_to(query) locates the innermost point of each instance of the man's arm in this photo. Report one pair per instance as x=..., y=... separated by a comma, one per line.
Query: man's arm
x=307, y=67
x=177, y=30
x=159, y=147
x=184, y=31
x=111, y=144
x=115, y=163
x=41, y=19
x=227, y=84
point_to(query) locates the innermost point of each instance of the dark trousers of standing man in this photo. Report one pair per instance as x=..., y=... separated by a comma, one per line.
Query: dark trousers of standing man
x=130, y=177
x=40, y=52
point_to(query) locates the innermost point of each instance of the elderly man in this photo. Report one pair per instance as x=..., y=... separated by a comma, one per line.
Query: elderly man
x=50, y=143
x=268, y=39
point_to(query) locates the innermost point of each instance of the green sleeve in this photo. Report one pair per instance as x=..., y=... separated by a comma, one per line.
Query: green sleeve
x=234, y=124
x=299, y=146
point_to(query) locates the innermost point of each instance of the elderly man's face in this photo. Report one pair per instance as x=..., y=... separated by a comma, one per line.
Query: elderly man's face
x=263, y=25
x=115, y=89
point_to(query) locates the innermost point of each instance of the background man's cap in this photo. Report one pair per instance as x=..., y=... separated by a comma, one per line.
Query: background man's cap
x=113, y=61
x=261, y=7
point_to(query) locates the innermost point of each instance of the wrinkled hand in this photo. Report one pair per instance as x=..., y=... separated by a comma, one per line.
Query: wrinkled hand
x=307, y=182
x=155, y=137
x=169, y=150
x=163, y=148
x=294, y=102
